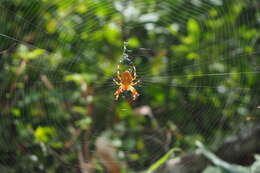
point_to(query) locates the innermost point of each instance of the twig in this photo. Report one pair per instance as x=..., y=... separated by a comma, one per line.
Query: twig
x=18, y=72
x=85, y=167
x=7, y=50
x=46, y=82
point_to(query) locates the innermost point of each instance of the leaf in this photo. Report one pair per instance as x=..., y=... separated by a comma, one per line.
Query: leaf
x=133, y=42
x=161, y=161
x=43, y=134
x=27, y=54
x=80, y=78
x=193, y=27
x=84, y=123
x=51, y=26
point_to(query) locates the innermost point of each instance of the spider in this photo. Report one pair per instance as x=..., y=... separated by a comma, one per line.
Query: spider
x=126, y=82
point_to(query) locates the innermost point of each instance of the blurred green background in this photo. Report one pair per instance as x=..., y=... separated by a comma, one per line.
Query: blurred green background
x=198, y=62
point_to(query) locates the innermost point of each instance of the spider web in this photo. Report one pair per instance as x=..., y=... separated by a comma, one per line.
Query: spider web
x=182, y=84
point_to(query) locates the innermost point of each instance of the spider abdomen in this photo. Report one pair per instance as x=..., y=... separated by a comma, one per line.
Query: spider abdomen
x=126, y=78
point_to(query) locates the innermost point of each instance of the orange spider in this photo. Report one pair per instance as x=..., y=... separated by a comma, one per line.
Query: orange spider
x=126, y=82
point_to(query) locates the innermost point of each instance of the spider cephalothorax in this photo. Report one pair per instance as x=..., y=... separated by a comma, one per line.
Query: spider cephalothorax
x=126, y=82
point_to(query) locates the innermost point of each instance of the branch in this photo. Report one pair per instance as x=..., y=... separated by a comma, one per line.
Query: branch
x=7, y=50
x=239, y=150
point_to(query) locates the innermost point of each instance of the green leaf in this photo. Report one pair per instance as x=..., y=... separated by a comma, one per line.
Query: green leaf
x=161, y=161
x=84, y=123
x=16, y=112
x=43, y=134
x=25, y=53
x=133, y=42
x=80, y=78
x=51, y=26
x=193, y=27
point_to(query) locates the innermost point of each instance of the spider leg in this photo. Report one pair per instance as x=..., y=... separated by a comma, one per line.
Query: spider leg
x=134, y=92
x=117, y=93
x=118, y=72
x=134, y=71
x=134, y=83
x=116, y=82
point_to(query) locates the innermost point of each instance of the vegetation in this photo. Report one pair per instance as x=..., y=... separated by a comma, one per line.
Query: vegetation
x=198, y=62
